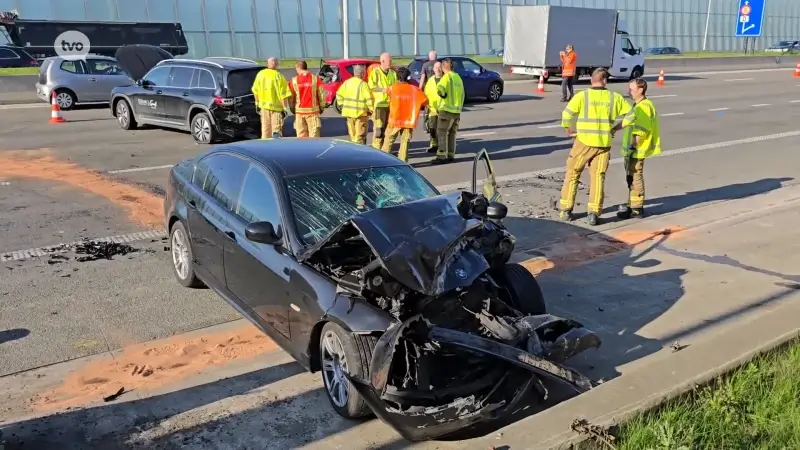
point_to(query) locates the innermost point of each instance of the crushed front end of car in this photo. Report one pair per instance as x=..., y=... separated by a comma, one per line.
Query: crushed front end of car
x=458, y=353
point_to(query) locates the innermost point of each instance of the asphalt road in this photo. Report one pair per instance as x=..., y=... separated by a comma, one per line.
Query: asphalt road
x=725, y=135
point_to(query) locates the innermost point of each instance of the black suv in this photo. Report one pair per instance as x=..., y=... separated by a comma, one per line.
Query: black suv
x=11, y=57
x=210, y=98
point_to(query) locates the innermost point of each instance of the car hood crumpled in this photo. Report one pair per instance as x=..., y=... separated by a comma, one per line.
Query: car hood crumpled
x=137, y=59
x=427, y=245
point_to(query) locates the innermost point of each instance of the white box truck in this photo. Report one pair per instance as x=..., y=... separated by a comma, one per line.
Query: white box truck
x=536, y=34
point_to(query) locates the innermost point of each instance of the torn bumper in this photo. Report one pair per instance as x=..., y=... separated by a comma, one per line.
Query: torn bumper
x=547, y=341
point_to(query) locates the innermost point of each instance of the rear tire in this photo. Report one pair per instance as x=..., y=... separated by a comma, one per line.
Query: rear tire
x=344, y=352
x=66, y=99
x=202, y=129
x=524, y=290
x=180, y=247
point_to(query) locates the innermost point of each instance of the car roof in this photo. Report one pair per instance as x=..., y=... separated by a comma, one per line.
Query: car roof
x=57, y=58
x=222, y=63
x=292, y=157
x=441, y=58
x=351, y=61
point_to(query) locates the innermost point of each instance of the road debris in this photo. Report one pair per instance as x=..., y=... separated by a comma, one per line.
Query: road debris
x=97, y=250
x=596, y=432
x=677, y=346
x=114, y=396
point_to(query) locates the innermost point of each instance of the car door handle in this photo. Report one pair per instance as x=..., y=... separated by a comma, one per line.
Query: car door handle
x=185, y=94
x=287, y=271
x=231, y=235
x=92, y=79
x=158, y=92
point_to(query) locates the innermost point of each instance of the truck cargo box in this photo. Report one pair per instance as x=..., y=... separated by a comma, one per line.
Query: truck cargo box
x=536, y=34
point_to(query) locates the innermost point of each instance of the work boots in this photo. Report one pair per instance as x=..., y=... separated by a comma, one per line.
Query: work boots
x=593, y=219
x=626, y=212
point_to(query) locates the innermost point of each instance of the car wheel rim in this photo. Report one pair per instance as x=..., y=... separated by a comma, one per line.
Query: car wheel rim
x=122, y=114
x=202, y=130
x=334, y=367
x=180, y=254
x=64, y=100
x=495, y=92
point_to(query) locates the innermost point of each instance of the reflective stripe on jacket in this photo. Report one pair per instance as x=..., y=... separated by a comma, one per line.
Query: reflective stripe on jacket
x=595, y=113
x=431, y=92
x=568, y=63
x=378, y=79
x=646, y=128
x=451, y=90
x=309, y=97
x=405, y=103
x=270, y=88
x=355, y=98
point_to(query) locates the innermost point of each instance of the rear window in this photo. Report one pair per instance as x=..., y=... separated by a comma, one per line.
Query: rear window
x=240, y=82
x=415, y=67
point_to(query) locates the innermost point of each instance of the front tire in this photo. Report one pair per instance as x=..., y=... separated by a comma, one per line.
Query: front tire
x=637, y=72
x=203, y=130
x=495, y=92
x=182, y=257
x=125, y=115
x=523, y=289
x=344, y=352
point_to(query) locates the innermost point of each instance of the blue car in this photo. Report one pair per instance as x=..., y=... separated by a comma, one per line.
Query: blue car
x=478, y=81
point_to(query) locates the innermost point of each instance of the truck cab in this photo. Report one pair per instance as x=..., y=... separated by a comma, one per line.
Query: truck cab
x=628, y=59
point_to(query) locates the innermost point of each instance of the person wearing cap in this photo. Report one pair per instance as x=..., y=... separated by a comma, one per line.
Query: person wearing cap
x=405, y=103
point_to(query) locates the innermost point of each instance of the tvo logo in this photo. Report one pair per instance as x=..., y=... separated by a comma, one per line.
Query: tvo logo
x=72, y=45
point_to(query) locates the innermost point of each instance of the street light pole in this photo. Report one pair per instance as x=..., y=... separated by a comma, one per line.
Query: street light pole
x=708, y=19
x=416, y=40
x=345, y=29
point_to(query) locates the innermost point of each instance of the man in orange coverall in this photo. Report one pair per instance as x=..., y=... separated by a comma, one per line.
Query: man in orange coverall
x=405, y=103
x=569, y=59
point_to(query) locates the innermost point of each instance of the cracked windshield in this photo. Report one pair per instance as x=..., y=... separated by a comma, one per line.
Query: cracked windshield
x=322, y=202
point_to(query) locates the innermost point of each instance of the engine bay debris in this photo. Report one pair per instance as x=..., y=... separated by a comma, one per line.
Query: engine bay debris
x=464, y=347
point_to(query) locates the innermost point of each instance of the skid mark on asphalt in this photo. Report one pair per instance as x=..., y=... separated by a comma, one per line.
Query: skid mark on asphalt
x=580, y=249
x=142, y=207
x=153, y=365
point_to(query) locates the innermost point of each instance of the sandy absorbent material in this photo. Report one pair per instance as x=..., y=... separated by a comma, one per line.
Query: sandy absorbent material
x=153, y=365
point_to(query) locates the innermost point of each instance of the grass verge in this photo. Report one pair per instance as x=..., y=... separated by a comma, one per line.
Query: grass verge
x=314, y=62
x=755, y=407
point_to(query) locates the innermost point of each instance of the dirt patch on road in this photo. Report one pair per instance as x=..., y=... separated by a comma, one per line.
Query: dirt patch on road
x=153, y=365
x=143, y=207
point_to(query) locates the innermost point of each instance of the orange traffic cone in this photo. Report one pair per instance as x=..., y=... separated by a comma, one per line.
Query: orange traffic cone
x=55, y=111
x=797, y=71
x=540, y=86
x=660, y=81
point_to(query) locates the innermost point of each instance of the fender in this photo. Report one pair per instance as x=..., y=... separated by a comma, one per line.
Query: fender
x=202, y=108
x=356, y=315
x=127, y=99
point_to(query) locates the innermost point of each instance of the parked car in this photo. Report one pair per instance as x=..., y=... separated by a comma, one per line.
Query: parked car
x=662, y=51
x=359, y=268
x=13, y=57
x=89, y=80
x=784, y=47
x=478, y=81
x=211, y=98
x=334, y=72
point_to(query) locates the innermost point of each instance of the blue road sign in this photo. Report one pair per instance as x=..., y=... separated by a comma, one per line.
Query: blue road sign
x=750, y=18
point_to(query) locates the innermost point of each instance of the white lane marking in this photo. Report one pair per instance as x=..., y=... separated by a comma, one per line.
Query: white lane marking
x=141, y=169
x=794, y=101
x=678, y=151
x=758, y=105
x=545, y=127
x=487, y=133
x=20, y=255
x=718, y=109
x=741, y=79
x=5, y=183
x=671, y=114
x=662, y=96
x=24, y=106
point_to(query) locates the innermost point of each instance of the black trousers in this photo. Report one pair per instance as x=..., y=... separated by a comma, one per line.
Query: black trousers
x=566, y=88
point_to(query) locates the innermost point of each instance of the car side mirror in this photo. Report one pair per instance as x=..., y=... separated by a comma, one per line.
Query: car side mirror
x=139, y=82
x=496, y=211
x=640, y=51
x=262, y=233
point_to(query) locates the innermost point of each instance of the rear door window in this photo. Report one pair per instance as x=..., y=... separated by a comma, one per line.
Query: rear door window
x=240, y=82
x=72, y=67
x=204, y=80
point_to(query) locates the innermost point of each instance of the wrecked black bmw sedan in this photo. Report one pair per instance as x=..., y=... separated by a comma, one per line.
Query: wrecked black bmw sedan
x=359, y=268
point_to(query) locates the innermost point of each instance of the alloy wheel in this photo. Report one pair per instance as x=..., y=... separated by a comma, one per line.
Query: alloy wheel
x=202, y=129
x=494, y=92
x=122, y=114
x=180, y=254
x=334, y=367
